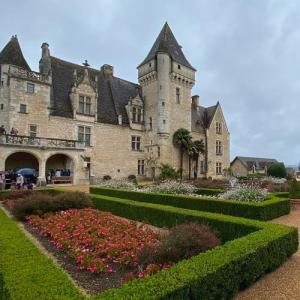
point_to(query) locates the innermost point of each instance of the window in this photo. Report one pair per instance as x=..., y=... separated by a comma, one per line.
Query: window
x=218, y=128
x=177, y=95
x=135, y=143
x=85, y=105
x=30, y=88
x=32, y=130
x=202, y=167
x=2, y=83
x=158, y=151
x=84, y=135
x=179, y=67
x=23, y=108
x=218, y=148
x=136, y=115
x=141, y=167
x=149, y=64
x=218, y=168
x=150, y=123
x=163, y=103
x=139, y=115
x=1, y=106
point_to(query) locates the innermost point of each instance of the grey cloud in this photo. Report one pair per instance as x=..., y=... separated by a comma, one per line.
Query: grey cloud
x=246, y=54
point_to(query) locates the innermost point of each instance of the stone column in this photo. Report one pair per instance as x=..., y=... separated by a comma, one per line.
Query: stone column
x=42, y=172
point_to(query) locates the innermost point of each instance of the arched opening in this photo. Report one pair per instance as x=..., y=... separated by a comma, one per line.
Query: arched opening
x=23, y=163
x=59, y=169
x=21, y=160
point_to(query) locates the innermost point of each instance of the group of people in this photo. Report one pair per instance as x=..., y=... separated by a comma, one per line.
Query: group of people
x=57, y=173
x=13, y=131
x=20, y=182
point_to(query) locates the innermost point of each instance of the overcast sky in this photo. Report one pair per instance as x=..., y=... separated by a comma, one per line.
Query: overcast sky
x=246, y=53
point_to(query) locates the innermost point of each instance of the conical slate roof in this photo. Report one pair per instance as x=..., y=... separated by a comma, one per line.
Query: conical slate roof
x=166, y=42
x=12, y=54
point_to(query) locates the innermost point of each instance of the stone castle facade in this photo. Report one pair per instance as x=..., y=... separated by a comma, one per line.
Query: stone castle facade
x=96, y=124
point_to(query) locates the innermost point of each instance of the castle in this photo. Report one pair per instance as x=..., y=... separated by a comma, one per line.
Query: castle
x=95, y=124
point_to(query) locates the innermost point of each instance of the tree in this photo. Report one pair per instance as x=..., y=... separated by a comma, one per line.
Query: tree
x=168, y=172
x=277, y=170
x=294, y=189
x=182, y=139
x=205, y=123
x=199, y=148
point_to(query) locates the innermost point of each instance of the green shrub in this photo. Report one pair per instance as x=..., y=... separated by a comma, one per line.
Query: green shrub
x=209, y=192
x=295, y=189
x=277, y=170
x=267, y=210
x=181, y=242
x=40, y=203
x=168, y=172
x=252, y=249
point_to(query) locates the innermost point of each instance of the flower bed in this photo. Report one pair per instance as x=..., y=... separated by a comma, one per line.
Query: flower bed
x=98, y=241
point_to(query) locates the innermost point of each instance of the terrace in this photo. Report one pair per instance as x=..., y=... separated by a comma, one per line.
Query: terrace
x=40, y=142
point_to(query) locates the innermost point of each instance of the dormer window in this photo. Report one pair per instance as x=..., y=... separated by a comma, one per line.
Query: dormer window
x=85, y=105
x=136, y=115
x=179, y=67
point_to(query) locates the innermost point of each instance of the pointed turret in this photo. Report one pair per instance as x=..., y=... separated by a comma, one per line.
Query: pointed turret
x=12, y=54
x=167, y=43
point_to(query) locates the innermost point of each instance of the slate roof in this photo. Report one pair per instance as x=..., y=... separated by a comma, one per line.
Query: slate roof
x=259, y=163
x=12, y=54
x=166, y=42
x=113, y=92
x=199, y=116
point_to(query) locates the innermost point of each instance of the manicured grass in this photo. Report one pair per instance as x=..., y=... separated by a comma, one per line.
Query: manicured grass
x=26, y=273
x=272, y=208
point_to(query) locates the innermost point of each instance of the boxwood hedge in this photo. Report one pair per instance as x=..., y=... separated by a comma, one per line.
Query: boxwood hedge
x=252, y=248
x=274, y=207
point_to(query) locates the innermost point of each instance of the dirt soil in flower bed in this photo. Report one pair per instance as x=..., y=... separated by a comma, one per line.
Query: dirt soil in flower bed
x=93, y=283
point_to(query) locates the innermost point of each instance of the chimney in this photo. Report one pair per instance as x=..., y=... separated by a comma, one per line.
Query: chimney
x=195, y=102
x=107, y=70
x=45, y=62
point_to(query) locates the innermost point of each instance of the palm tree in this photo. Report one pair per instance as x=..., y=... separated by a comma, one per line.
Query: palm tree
x=182, y=139
x=199, y=148
x=205, y=123
x=191, y=150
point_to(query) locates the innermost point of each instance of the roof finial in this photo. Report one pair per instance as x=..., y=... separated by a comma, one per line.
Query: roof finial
x=86, y=64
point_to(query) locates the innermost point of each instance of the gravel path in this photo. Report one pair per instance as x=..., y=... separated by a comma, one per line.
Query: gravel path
x=283, y=283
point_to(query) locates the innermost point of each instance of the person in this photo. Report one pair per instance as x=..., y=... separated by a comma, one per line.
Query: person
x=58, y=173
x=20, y=181
x=2, y=130
x=48, y=178
x=14, y=131
x=2, y=181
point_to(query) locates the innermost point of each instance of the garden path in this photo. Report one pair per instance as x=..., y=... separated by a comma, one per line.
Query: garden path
x=283, y=283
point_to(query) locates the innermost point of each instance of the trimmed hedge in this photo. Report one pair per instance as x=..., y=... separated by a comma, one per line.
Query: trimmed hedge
x=25, y=272
x=251, y=249
x=274, y=207
x=215, y=274
x=209, y=192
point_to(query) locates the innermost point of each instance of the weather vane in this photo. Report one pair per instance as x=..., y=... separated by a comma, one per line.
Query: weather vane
x=86, y=64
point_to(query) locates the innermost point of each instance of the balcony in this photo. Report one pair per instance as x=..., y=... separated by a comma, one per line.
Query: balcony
x=18, y=72
x=39, y=142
